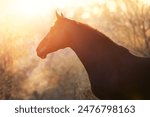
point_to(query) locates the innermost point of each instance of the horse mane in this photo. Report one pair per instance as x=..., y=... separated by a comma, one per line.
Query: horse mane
x=98, y=35
x=92, y=30
x=86, y=26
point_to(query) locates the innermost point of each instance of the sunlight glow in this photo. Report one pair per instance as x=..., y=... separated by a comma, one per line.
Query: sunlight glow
x=23, y=24
x=85, y=15
x=96, y=10
x=112, y=6
x=32, y=8
x=147, y=2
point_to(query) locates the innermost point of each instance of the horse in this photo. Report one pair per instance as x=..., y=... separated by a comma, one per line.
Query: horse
x=114, y=73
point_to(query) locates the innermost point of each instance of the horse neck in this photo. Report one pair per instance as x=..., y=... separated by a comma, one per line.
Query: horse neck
x=93, y=47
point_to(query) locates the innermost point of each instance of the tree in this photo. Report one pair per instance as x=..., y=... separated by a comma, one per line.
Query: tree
x=129, y=23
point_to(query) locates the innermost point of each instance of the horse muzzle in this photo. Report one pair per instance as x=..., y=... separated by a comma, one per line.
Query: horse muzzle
x=41, y=54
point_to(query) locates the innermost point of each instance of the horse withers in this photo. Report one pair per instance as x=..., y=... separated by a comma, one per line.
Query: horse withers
x=114, y=73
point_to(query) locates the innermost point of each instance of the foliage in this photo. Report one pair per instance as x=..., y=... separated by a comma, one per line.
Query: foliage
x=129, y=24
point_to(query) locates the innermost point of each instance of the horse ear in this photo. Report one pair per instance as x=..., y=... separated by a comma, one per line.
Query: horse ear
x=57, y=15
x=62, y=15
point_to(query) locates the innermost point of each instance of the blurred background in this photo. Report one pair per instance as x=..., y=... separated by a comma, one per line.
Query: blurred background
x=24, y=23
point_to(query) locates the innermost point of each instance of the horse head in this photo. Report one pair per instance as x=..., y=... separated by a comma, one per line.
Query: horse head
x=57, y=38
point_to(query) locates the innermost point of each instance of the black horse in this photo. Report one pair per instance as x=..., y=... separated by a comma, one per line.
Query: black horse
x=114, y=73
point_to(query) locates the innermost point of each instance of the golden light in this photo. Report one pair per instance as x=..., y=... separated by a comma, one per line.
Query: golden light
x=23, y=23
x=34, y=16
x=112, y=6
x=29, y=8
x=85, y=15
x=32, y=8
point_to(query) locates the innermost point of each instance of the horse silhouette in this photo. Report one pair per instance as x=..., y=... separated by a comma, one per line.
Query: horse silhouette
x=114, y=73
